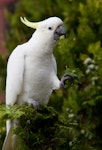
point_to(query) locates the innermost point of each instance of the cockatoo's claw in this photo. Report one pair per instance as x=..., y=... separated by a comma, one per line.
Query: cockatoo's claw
x=66, y=77
x=34, y=103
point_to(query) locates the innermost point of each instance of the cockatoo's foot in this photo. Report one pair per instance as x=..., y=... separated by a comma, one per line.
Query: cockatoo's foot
x=33, y=103
x=66, y=77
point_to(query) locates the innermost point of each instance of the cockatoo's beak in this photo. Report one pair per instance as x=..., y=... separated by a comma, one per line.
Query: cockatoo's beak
x=33, y=25
x=59, y=32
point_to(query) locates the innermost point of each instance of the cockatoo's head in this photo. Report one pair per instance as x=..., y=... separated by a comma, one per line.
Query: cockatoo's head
x=50, y=29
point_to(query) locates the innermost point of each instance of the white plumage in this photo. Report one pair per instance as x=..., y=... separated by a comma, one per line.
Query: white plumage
x=31, y=69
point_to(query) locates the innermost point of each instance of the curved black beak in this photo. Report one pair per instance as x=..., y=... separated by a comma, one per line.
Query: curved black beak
x=59, y=32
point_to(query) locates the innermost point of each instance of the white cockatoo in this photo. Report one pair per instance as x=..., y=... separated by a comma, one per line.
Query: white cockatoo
x=32, y=70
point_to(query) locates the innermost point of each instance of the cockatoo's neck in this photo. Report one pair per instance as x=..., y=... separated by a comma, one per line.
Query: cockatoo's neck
x=44, y=44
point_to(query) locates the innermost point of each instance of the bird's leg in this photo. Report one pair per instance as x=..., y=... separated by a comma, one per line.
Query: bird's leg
x=33, y=103
x=66, y=77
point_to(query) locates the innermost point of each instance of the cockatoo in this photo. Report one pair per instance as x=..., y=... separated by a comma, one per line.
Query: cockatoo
x=32, y=69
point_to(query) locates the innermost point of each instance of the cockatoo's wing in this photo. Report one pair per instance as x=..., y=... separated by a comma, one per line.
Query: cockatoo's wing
x=15, y=74
x=54, y=64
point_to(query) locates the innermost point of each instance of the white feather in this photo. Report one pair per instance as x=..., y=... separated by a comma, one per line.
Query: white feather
x=31, y=69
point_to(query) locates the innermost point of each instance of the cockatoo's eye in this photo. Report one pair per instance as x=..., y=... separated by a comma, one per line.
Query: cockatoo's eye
x=50, y=28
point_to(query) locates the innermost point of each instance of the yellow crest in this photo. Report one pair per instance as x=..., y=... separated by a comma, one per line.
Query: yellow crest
x=33, y=25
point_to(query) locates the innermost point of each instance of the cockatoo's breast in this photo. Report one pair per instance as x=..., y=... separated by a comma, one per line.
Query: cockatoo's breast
x=38, y=76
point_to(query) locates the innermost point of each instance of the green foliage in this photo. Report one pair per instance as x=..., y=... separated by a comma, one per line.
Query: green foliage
x=41, y=129
x=76, y=76
x=81, y=52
